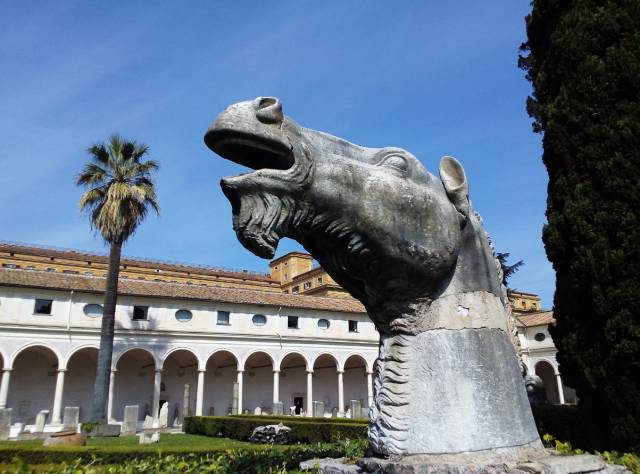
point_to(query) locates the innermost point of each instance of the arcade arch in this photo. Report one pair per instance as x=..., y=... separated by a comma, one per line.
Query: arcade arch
x=133, y=383
x=547, y=373
x=357, y=380
x=326, y=382
x=295, y=382
x=26, y=398
x=258, y=383
x=221, y=373
x=180, y=368
x=79, y=380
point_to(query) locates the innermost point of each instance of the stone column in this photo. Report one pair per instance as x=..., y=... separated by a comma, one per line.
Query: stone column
x=340, y=392
x=240, y=372
x=369, y=389
x=112, y=381
x=157, y=382
x=56, y=416
x=4, y=387
x=560, y=389
x=276, y=386
x=200, y=392
x=310, y=393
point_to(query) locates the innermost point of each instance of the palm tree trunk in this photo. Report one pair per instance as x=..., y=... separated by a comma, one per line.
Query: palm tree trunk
x=103, y=370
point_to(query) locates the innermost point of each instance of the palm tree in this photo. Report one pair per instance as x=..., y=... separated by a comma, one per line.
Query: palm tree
x=120, y=191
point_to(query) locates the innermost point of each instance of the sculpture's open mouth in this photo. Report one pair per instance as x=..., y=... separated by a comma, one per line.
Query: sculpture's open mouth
x=252, y=151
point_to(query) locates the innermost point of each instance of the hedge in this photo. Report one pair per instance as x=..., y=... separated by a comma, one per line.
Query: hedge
x=259, y=459
x=303, y=430
x=285, y=418
x=564, y=422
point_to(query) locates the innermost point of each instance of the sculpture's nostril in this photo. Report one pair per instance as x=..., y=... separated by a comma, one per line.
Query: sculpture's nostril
x=268, y=110
x=267, y=102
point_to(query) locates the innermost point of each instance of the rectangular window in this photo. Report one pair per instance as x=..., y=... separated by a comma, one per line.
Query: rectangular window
x=42, y=306
x=292, y=322
x=140, y=313
x=353, y=326
x=307, y=285
x=320, y=280
x=223, y=318
x=295, y=289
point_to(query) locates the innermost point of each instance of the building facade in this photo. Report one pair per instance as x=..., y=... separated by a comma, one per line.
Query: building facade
x=179, y=325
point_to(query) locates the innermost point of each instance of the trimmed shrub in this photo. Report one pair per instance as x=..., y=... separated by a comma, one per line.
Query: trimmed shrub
x=307, y=430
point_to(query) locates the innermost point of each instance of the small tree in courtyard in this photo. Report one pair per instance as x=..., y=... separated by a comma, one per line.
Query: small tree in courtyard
x=120, y=192
x=583, y=59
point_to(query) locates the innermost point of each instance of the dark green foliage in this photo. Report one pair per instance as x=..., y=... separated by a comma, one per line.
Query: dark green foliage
x=258, y=459
x=583, y=59
x=307, y=430
x=564, y=422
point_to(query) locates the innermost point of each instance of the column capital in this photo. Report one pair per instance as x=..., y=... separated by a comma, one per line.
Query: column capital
x=202, y=370
x=113, y=371
x=310, y=372
x=240, y=371
x=340, y=371
x=62, y=370
x=276, y=371
x=158, y=371
x=7, y=369
x=369, y=372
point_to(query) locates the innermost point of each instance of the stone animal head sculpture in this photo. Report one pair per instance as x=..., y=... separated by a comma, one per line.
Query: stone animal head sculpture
x=385, y=228
x=407, y=245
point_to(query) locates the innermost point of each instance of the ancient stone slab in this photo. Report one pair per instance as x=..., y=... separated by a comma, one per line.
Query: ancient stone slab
x=278, y=408
x=355, y=408
x=5, y=423
x=410, y=247
x=185, y=402
x=104, y=430
x=163, y=417
x=271, y=434
x=318, y=408
x=130, y=422
x=41, y=420
x=148, y=422
x=70, y=417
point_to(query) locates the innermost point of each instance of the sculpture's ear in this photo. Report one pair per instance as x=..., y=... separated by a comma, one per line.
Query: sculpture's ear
x=455, y=183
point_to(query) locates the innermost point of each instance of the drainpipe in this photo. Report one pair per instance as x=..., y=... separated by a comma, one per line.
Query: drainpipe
x=69, y=312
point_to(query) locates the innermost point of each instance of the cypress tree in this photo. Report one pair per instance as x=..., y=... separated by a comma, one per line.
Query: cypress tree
x=583, y=60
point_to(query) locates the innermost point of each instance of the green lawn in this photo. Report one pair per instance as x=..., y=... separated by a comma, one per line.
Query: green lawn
x=168, y=442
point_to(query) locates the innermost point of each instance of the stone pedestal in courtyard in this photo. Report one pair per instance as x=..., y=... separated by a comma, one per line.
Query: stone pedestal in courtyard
x=70, y=418
x=5, y=423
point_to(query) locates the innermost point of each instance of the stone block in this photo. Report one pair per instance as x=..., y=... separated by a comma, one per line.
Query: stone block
x=130, y=422
x=70, y=418
x=163, y=418
x=104, y=430
x=356, y=408
x=5, y=423
x=278, y=408
x=41, y=420
x=318, y=409
x=271, y=434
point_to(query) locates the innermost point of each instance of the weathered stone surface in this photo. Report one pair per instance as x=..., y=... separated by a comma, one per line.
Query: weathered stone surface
x=130, y=423
x=549, y=464
x=163, y=417
x=278, y=408
x=149, y=438
x=41, y=420
x=235, y=398
x=68, y=437
x=104, y=430
x=147, y=423
x=5, y=423
x=271, y=434
x=355, y=408
x=410, y=247
x=70, y=417
x=318, y=409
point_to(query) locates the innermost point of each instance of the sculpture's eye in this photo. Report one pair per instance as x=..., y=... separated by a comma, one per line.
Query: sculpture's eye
x=396, y=162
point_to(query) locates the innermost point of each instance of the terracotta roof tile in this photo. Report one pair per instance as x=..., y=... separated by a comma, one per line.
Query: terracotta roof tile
x=39, y=279
x=535, y=319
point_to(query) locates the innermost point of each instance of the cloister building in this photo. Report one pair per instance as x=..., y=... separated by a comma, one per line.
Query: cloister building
x=292, y=339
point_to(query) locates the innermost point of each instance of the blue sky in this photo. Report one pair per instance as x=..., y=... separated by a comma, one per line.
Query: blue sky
x=435, y=78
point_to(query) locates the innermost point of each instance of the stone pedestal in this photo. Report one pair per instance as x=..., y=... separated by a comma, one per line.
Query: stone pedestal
x=356, y=408
x=41, y=420
x=70, y=418
x=130, y=423
x=278, y=408
x=318, y=409
x=5, y=423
